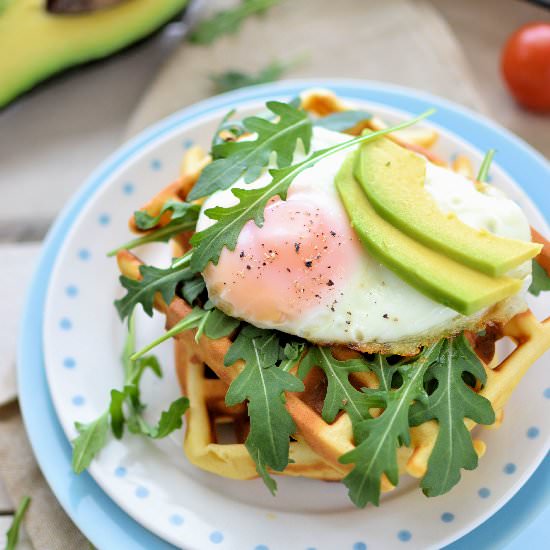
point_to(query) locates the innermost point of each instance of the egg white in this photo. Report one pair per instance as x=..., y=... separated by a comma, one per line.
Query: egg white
x=375, y=305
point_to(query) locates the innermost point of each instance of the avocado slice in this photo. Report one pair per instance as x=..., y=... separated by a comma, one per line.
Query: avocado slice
x=393, y=179
x=36, y=43
x=440, y=278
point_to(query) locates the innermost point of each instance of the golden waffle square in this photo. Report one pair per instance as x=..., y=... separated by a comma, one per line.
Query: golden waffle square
x=317, y=445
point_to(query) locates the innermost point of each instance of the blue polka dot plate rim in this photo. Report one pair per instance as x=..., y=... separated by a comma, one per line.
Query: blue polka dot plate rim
x=144, y=495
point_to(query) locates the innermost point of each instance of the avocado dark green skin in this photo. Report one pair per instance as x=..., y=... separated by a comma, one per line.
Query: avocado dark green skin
x=42, y=44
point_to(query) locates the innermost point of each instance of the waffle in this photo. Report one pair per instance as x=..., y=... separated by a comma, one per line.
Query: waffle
x=215, y=433
x=318, y=445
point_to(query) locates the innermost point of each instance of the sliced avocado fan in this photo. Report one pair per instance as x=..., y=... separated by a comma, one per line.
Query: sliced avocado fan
x=440, y=278
x=393, y=179
x=36, y=44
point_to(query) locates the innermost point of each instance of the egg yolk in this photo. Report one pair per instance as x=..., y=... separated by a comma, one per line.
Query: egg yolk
x=295, y=262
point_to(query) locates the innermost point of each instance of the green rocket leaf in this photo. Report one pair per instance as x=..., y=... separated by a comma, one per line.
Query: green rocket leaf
x=180, y=210
x=209, y=243
x=233, y=79
x=262, y=384
x=191, y=289
x=228, y=21
x=341, y=395
x=451, y=402
x=184, y=218
x=12, y=535
x=377, y=439
x=248, y=158
x=125, y=409
x=90, y=440
x=153, y=280
x=541, y=280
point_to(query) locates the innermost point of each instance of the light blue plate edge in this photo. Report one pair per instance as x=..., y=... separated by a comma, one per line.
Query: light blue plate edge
x=99, y=518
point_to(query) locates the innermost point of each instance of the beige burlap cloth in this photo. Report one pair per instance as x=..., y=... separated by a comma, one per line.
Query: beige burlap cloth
x=400, y=41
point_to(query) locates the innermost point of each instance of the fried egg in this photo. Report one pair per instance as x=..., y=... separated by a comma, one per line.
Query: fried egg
x=304, y=272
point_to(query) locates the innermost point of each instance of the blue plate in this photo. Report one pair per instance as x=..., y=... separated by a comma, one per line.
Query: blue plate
x=102, y=521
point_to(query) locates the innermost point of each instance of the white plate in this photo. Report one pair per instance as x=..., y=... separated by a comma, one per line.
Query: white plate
x=155, y=484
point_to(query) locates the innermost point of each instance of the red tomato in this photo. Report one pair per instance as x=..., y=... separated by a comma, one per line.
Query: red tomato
x=525, y=65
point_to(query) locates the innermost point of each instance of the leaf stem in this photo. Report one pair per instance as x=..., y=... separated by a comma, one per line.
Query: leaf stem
x=194, y=319
x=153, y=236
x=13, y=532
x=483, y=173
x=202, y=324
x=183, y=261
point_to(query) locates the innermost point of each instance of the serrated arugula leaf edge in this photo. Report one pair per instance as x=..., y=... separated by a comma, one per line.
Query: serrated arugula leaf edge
x=363, y=485
x=455, y=357
x=125, y=409
x=209, y=243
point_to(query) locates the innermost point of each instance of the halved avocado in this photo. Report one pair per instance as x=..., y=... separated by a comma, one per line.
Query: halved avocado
x=35, y=43
x=393, y=179
x=440, y=278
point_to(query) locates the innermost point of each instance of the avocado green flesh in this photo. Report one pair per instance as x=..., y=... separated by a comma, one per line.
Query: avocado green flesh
x=393, y=179
x=37, y=44
x=435, y=275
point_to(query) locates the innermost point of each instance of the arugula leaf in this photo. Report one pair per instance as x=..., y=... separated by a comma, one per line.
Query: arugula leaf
x=341, y=395
x=234, y=127
x=377, y=439
x=153, y=280
x=451, y=402
x=232, y=80
x=125, y=409
x=191, y=289
x=179, y=210
x=248, y=158
x=209, y=243
x=184, y=218
x=219, y=324
x=483, y=173
x=139, y=367
x=171, y=419
x=256, y=456
x=338, y=122
x=290, y=354
x=541, y=280
x=191, y=320
x=12, y=535
x=262, y=384
x=116, y=412
x=228, y=21
x=212, y=322
x=90, y=440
